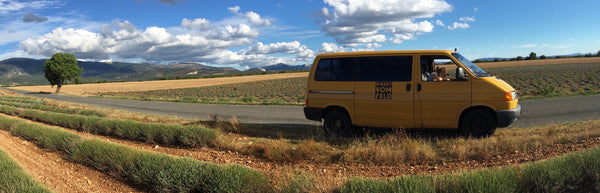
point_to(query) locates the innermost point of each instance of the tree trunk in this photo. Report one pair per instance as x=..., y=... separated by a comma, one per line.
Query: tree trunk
x=58, y=88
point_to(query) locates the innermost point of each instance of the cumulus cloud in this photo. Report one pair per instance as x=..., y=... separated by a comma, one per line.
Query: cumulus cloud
x=31, y=17
x=357, y=23
x=199, y=23
x=279, y=47
x=252, y=17
x=457, y=25
x=464, y=25
x=440, y=23
x=197, y=40
x=467, y=19
x=9, y=6
x=302, y=51
x=327, y=47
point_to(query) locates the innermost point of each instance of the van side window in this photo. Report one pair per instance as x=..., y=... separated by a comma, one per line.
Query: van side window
x=388, y=68
x=335, y=69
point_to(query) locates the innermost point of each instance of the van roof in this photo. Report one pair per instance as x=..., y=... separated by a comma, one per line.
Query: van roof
x=386, y=52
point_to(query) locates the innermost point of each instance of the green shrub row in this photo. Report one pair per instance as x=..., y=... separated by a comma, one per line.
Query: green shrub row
x=158, y=172
x=21, y=99
x=575, y=172
x=165, y=134
x=24, y=102
x=14, y=179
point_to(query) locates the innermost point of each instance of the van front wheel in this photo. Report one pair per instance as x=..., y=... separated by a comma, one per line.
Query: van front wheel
x=337, y=124
x=479, y=123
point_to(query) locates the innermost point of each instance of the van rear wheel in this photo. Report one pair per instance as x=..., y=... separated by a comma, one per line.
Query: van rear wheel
x=337, y=124
x=479, y=123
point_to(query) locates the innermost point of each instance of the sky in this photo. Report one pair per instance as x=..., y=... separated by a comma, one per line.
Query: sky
x=245, y=34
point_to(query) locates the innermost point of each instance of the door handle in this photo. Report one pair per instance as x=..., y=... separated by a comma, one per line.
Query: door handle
x=408, y=87
x=419, y=87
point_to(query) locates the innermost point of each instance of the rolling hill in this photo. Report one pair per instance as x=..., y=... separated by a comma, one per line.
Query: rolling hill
x=26, y=71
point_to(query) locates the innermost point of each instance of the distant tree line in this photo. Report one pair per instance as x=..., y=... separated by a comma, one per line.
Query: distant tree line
x=533, y=56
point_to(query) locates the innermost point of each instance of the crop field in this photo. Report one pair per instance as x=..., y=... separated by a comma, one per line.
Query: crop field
x=551, y=80
x=144, y=153
x=279, y=91
x=531, y=81
x=93, y=89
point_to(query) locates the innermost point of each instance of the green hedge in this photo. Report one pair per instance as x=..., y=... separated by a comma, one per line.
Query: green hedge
x=165, y=134
x=158, y=172
x=14, y=179
x=25, y=102
x=574, y=172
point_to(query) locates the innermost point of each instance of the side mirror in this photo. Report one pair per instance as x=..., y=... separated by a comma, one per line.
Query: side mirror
x=460, y=74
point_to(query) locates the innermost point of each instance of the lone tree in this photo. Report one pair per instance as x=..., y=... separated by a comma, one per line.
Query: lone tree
x=532, y=56
x=60, y=68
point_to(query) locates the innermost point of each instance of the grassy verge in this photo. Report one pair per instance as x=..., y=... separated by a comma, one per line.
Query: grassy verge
x=158, y=172
x=33, y=103
x=14, y=179
x=575, y=172
x=187, y=136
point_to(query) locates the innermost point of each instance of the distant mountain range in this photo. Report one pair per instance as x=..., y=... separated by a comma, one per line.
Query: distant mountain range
x=281, y=67
x=26, y=71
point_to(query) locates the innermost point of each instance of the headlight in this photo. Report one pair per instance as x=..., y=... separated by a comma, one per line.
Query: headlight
x=509, y=96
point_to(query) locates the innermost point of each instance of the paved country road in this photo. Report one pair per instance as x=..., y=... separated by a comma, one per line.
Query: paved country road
x=536, y=112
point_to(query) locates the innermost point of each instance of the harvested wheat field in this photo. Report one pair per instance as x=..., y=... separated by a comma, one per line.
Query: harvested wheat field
x=90, y=89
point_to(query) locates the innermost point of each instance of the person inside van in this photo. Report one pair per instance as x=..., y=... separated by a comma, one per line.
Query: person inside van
x=440, y=74
x=425, y=71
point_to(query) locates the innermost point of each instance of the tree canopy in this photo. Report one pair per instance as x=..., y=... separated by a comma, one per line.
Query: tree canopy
x=60, y=68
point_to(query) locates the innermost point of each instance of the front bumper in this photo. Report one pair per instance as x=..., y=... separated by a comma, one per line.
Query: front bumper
x=508, y=117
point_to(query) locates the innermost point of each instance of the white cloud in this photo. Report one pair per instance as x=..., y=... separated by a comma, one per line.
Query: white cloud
x=9, y=6
x=196, y=40
x=528, y=46
x=234, y=10
x=252, y=17
x=198, y=23
x=357, y=23
x=467, y=19
x=457, y=25
x=279, y=47
x=440, y=23
x=330, y=47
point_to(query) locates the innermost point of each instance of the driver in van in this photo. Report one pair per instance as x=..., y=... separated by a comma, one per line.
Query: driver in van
x=440, y=74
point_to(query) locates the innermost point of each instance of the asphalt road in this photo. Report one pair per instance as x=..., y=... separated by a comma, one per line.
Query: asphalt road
x=537, y=112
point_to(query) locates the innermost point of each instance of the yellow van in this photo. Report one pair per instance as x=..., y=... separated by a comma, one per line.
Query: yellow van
x=407, y=89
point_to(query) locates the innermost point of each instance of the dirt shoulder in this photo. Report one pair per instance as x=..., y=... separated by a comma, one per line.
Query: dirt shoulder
x=58, y=174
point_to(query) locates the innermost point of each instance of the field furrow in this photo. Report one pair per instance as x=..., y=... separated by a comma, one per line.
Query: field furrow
x=55, y=172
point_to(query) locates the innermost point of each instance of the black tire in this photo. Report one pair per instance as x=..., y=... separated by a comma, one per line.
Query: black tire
x=337, y=124
x=479, y=123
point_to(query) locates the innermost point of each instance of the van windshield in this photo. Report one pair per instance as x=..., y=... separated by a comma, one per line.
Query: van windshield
x=470, y=66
